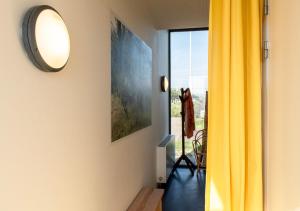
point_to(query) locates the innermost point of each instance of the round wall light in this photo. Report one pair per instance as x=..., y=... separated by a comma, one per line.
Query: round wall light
x=46, y=38
x=164, y=83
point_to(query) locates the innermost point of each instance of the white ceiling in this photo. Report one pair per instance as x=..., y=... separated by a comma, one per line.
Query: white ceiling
x=177, y=14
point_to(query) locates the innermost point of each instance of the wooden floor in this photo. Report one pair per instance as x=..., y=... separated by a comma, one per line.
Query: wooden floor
x=185, y=192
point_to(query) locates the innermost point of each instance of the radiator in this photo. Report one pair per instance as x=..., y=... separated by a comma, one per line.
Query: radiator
x=165, y=159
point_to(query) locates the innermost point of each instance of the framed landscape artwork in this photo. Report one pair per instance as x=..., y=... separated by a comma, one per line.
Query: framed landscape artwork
x=131, y=81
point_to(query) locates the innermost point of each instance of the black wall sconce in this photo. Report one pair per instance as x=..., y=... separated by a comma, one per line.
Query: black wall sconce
x=164, y=83
x=46, y=38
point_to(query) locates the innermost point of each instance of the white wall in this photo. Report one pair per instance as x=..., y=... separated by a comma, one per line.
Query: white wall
x=282, y=151
x=55, y=148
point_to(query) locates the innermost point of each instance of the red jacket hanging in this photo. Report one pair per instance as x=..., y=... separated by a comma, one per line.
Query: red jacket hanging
x=189, y=119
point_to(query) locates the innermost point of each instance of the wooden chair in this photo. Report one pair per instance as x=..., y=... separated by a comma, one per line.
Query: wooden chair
x=199, y=146
x=200, y=141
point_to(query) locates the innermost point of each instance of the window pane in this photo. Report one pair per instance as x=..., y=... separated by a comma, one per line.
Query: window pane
x=189, y=64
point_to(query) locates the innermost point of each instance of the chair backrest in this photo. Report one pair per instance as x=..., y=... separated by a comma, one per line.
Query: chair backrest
x=204, y=138
x=206, y=111
x=200, y=140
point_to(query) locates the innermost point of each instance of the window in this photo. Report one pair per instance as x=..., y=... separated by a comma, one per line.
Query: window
x=188, y=69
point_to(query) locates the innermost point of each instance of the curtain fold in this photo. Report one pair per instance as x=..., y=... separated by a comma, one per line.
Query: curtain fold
x=234, y=157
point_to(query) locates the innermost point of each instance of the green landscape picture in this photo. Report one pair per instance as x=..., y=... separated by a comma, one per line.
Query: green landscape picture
x=131, y=81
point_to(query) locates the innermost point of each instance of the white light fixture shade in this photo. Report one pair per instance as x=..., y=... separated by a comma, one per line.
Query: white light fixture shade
x=46, y=38
x=164, y=83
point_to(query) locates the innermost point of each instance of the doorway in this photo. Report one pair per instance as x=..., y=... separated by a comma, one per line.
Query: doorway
x=188, y=68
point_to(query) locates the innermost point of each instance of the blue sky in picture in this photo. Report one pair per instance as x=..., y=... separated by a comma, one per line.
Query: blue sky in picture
x=189, y=60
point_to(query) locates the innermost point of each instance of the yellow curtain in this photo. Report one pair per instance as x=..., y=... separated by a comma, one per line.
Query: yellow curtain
x=234, y=162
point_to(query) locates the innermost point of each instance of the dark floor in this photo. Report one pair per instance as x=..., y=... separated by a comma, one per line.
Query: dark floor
x=185, y=192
